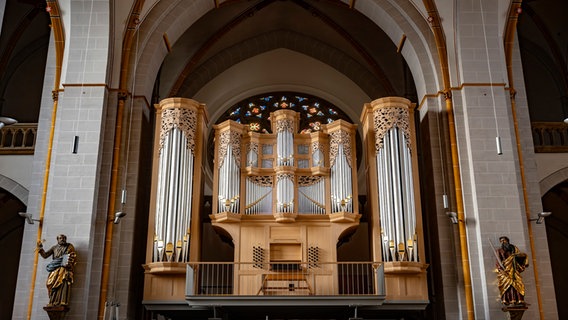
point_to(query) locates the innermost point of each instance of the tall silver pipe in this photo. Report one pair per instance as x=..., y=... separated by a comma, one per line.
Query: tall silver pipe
x=411, y=203
x=383, y=201
x=172, y=196
x=182, y=189
x=248, y=196
x=391, y=202
x=174, y=190
x=398, y=209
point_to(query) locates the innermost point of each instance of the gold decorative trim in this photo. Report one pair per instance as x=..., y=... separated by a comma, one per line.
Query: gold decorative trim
x=317, y=146
x=306, y=181
x=252, y=146
x=233, y=139
x=282, y=176
x=285, y=125
x=263, y=181
x=337, y=138
x=384, y=119
x=183, y=119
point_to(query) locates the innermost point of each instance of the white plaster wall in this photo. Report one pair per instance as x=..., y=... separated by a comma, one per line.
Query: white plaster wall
x=251, y=77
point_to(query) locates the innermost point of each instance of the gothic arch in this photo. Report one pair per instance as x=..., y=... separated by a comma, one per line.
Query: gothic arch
x=173, y=17
x=14, y=188
x=553, y=180
x=288, y=40
x=13, y=199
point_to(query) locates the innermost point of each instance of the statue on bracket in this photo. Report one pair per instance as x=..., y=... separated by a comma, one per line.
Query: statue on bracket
x=511, y=262
x=60, y=271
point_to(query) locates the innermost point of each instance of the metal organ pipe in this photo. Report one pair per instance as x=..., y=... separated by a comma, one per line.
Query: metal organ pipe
x=311, y=198
x=383, y=215
x=411, y=235
x=258, y=197
x=175, y=190
x=341, y=183
x=229, y=183
x=285, y=144
x=252, y=159
x=172, y=195
x=397, y=190
x=389, y=203
x=396, y=197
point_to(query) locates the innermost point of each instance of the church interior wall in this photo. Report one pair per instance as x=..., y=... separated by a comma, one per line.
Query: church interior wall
x=493, y=196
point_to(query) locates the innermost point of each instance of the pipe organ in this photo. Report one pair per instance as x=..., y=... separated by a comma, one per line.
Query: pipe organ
x=285, y=199
x=176, y=196
x=285, y=173
x=388, y=127
x=294, y=196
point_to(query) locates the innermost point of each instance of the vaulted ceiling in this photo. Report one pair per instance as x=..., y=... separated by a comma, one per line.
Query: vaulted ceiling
x=328, y=32
x=323, y=30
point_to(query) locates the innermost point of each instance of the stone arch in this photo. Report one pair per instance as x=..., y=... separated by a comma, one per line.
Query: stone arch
x=288, y=40
x=173, y=17
x=553, y=180
x=14, y=188
x=14, y=199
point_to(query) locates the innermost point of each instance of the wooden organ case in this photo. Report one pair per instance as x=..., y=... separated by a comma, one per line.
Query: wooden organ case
x=285, y=198
x=395, y=214
x=174, y=233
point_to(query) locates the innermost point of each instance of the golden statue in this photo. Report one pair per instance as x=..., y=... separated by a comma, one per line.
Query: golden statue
x=511, y=262
x=60, y=270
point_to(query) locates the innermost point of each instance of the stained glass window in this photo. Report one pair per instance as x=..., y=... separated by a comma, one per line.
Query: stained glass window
x=255, y=111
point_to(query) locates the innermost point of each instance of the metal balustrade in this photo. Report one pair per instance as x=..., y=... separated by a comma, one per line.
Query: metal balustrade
x=285, y=279
x=18, y=138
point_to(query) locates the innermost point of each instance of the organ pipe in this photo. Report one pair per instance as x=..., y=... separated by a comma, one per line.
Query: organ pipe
x=397, y=207
x=285, y=142
x=228, y=172
x=311, y=191
x=258, y=195
x=341, y=175
x=174, y=187
x=284, y=188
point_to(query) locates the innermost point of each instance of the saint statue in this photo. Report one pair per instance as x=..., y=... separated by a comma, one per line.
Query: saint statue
x=510, y=264
x=60, y=270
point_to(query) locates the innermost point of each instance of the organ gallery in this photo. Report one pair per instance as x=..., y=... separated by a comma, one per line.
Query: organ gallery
x=285, y=198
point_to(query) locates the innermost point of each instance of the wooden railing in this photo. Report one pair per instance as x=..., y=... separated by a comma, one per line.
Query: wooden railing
x=18, y=138
x=550, y=137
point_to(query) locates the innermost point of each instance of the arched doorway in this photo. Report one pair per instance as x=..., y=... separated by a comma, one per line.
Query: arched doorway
x=11, y=232
x=556, y=201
